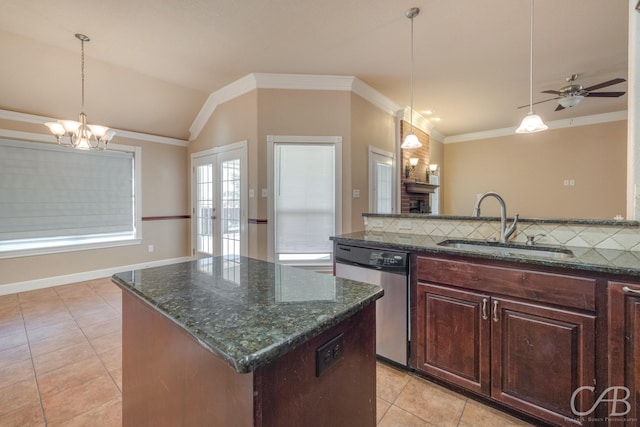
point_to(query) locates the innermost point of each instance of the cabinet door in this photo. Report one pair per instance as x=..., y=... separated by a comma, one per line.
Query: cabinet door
x=540, y=356
x=453, y=333
x=624, y=350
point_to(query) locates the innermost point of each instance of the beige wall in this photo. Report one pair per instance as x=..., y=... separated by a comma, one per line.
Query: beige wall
x=529, y=170
x=164, y=180
x=370, y=126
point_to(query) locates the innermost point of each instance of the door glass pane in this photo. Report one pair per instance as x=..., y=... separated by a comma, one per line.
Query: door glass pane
x=230, y=208
x=384, y=188
x=204, y=209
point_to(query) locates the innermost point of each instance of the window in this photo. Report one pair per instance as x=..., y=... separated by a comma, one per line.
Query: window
x=54, y=199
x=305, y=186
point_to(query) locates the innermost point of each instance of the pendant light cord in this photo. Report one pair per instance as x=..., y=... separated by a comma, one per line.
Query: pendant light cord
x=82, y=70
x=411, y=112
x=531, y=62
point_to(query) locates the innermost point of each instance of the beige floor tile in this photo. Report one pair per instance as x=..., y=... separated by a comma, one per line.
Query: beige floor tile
x=112, y=359
x=116, y=375
x=107, y=342
x=16, y=372
x=382, y=406
x=390, y=381
x=8, y=301
x=79, y=399
x=46, y=319
x=27, y=416
x=109, y=414
x=11, y=326
x=108, y=313
x=18, y=395
x=14, y=355
x=57, y=342
x=39, y=294
x=10, y=311
x=105, y=327
x=59, y=358
x=476, y=414
x=13, y=340
x=396, y=417
x=70, y=375
x=52, y=330
x=431, y=402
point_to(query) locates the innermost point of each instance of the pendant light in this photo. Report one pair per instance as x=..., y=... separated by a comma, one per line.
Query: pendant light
x=411, y=141
x=79, y=134
x=532, y=122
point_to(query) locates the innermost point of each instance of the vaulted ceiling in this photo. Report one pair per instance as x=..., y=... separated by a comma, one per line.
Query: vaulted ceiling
x=151, y=64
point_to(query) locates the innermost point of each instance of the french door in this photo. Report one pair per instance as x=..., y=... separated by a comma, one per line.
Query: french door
x=381, y=181
x=219, y=203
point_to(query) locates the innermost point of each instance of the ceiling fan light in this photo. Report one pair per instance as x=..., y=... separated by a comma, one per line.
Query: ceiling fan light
x=411, y=141
x=570, y=101
x=531, y=123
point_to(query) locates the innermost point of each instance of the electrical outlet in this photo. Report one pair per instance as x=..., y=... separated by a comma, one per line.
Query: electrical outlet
x=265, y=192
x=404, y=224
x=329, y=353
x=150, y=248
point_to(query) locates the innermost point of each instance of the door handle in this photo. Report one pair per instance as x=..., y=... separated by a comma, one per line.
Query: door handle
x=495, y=311
x=631, y=291
x=484, y=309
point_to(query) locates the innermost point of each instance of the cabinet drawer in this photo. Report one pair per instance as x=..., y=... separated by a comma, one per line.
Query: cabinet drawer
x=576, y=292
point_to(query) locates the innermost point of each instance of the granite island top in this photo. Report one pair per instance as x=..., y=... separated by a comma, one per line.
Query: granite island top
x=612, y=261
x=247, y=311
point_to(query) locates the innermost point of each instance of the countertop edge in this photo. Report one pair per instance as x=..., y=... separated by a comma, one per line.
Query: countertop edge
x=251, y=362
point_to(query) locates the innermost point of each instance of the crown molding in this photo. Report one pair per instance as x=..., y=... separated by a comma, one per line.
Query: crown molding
x=557, y=124
x=421, y=122
x=292, y=82
x=41, y=120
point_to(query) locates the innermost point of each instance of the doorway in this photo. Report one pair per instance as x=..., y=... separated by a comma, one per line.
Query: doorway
x=219, y=198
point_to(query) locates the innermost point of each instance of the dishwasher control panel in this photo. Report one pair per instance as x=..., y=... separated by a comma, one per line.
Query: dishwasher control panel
x=396, y=262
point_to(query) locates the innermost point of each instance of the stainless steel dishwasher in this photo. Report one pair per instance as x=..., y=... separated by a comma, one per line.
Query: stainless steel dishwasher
x=390, y=270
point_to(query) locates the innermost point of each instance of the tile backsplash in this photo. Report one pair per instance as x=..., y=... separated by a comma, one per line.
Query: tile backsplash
x=589, y=234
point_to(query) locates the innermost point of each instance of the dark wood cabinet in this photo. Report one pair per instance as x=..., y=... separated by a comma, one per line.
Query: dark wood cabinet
x=456, y=344
x=540, y=356
x=624, y=351
x=475, y=328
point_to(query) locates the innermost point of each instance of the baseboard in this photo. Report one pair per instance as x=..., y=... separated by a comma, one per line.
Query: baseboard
x=48, y=282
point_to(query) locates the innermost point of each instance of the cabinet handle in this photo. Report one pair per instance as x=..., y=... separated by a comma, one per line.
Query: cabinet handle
x=484, y=309
x=629, y=290
x=495, y=311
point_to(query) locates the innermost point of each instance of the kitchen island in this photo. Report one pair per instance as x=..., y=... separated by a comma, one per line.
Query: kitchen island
x=246, y=343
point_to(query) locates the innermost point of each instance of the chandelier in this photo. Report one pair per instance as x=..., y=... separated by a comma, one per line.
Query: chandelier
x=78, y=134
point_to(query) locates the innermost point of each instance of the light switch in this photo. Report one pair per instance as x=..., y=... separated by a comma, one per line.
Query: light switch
x=251, y=193
x=356, y=193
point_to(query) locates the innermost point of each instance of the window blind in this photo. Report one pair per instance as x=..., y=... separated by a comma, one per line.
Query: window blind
x=304, y=198
x=49, y=192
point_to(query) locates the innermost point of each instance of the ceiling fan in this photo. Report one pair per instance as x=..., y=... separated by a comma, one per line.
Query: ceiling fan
x=571, y=94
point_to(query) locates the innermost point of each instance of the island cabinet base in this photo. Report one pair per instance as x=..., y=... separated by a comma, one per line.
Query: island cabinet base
x=170, y=379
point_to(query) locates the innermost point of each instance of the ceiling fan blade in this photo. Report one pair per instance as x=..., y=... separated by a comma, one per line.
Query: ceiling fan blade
x=553, y=92
x=559, y=107
x=539, y=102
x=604, y=94
x=604, y=84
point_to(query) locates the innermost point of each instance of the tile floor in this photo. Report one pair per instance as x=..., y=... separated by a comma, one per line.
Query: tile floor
x=61, y=365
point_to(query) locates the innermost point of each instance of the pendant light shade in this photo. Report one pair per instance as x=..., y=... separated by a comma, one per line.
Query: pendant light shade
x=411, y=141
x=532, y=122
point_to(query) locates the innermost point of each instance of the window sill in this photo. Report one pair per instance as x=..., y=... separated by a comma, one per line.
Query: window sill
x=24, y=249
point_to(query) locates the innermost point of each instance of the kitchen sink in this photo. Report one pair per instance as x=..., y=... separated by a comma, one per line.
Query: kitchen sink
x=507, y=249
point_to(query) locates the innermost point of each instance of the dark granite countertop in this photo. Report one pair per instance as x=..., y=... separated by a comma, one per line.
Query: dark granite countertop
x=609, y=261
x=248, y=312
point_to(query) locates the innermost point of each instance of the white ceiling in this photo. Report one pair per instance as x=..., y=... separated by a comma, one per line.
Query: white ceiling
x=151, y=64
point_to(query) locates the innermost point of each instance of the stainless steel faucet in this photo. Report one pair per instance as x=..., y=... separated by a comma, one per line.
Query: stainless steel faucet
x=505, y=232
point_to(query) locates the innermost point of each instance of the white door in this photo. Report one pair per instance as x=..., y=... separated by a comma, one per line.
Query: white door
x=219, y=204
x=381, y=181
